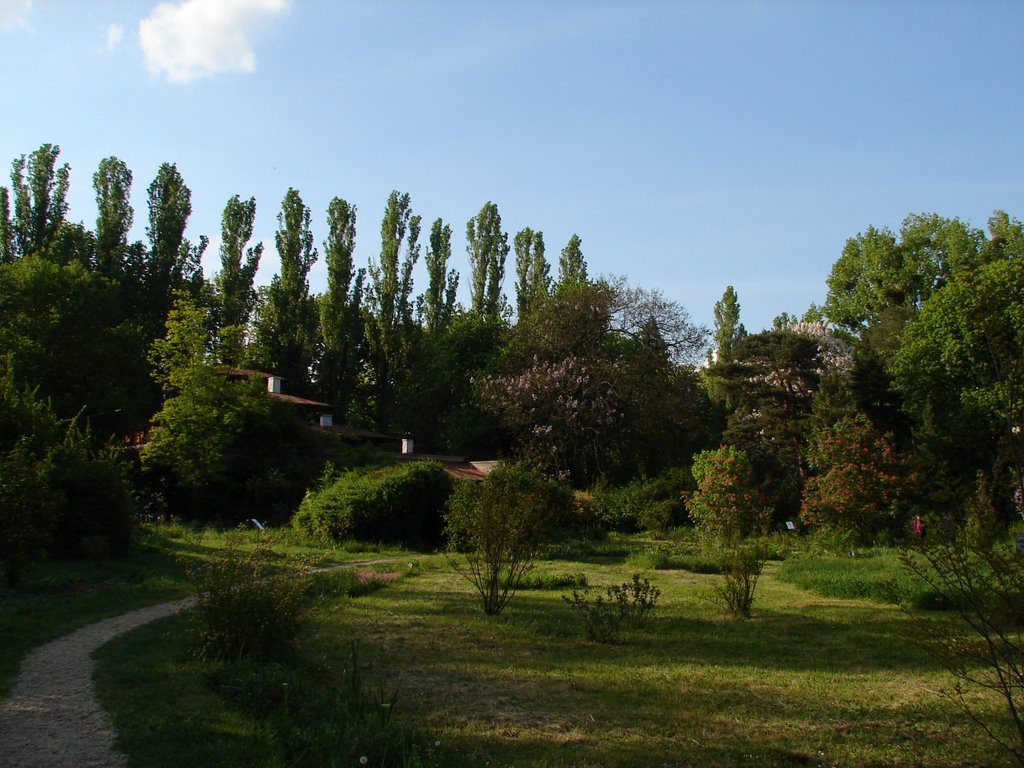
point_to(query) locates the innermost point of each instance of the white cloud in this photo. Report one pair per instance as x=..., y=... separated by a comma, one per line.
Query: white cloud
x=195, y=38
x=114, y=34
x=14, y=13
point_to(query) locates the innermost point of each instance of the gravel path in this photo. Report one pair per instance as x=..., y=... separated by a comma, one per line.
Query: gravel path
x=53, y=718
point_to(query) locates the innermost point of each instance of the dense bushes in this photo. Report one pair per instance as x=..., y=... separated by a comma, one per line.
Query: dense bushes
x=402, y=503
x=654, y=505
x=246, y=609
x=58, y=495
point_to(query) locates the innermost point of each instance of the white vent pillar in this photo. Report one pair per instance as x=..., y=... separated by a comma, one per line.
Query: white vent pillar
x=407, y=445
x=326, y=420
x=274, y=384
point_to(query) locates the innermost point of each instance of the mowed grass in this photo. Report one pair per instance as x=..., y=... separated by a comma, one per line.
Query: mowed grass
x=808, y=681
x=55, y=598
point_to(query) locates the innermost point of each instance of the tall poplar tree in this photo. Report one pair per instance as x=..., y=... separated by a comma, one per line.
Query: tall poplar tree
x=533, y=280
x=438, y=303
x=171, y=263
x=341, y=329
x=236, y=296
x=287, y=326
x=6, y=228
x=572, y=267
x=114, y=215
x=40, y=199
x=728, y=328
x=389, y=320
x=487, y=247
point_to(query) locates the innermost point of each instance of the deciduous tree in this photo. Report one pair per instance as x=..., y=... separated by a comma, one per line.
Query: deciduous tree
x=487, y=247
x=114, y=215
x=438, y=303
x=341, y=325
x=389, y=319
x=40, y=199
x=286, y=328
x=533, y=280
x=572, y=267
x=236, y=297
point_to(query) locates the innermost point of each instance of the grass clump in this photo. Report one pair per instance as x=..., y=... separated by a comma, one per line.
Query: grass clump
x=542, y=581
x=874, y=575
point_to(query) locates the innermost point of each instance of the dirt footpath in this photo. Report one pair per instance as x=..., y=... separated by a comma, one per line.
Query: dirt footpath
x=53, y=718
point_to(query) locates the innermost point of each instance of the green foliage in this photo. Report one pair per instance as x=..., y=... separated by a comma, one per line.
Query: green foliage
x=772, y=383
x=487, y=247
x=340, y=308
x=655, y=504
x=552, y=580
x=725, y=502
x=858, y=482
x=875, y=576
x=67, y=335
x=498, y=526
x=728, y=328
x=402, y=503
x=229, y=450
x=628, y=604
x=741, y=568
x=321, y=719
x=981, y=644
x=26, y=510
x=959, y=366
x=58, y=495
x=247, y=609
x=95, y=515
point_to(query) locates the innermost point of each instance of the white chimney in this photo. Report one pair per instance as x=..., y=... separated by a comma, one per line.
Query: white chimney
x=407, y=445
x=274, y=384
x=326, y=420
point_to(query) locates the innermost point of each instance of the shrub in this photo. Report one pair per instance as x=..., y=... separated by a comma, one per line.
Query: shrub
x=654, y=505
x=499, y=525
x=95, y=518
x=981, y=644
x=858, y=480
x=26, y=510
x=741, y=568
x=725, y=503
x=629, y=603
x=246, y=610
x=401, y=503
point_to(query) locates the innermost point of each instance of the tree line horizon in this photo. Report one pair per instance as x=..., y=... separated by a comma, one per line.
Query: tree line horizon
x=590, y=378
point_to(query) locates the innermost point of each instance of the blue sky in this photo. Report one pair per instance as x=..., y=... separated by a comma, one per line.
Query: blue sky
x=691, y=145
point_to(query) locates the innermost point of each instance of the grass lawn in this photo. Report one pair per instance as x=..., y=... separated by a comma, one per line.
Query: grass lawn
x=809, y=680
x=56, y=598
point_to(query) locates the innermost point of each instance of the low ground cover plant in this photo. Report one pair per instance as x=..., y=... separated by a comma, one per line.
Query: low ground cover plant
x=871, y=575
x=552, y=580
x=604, y=616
